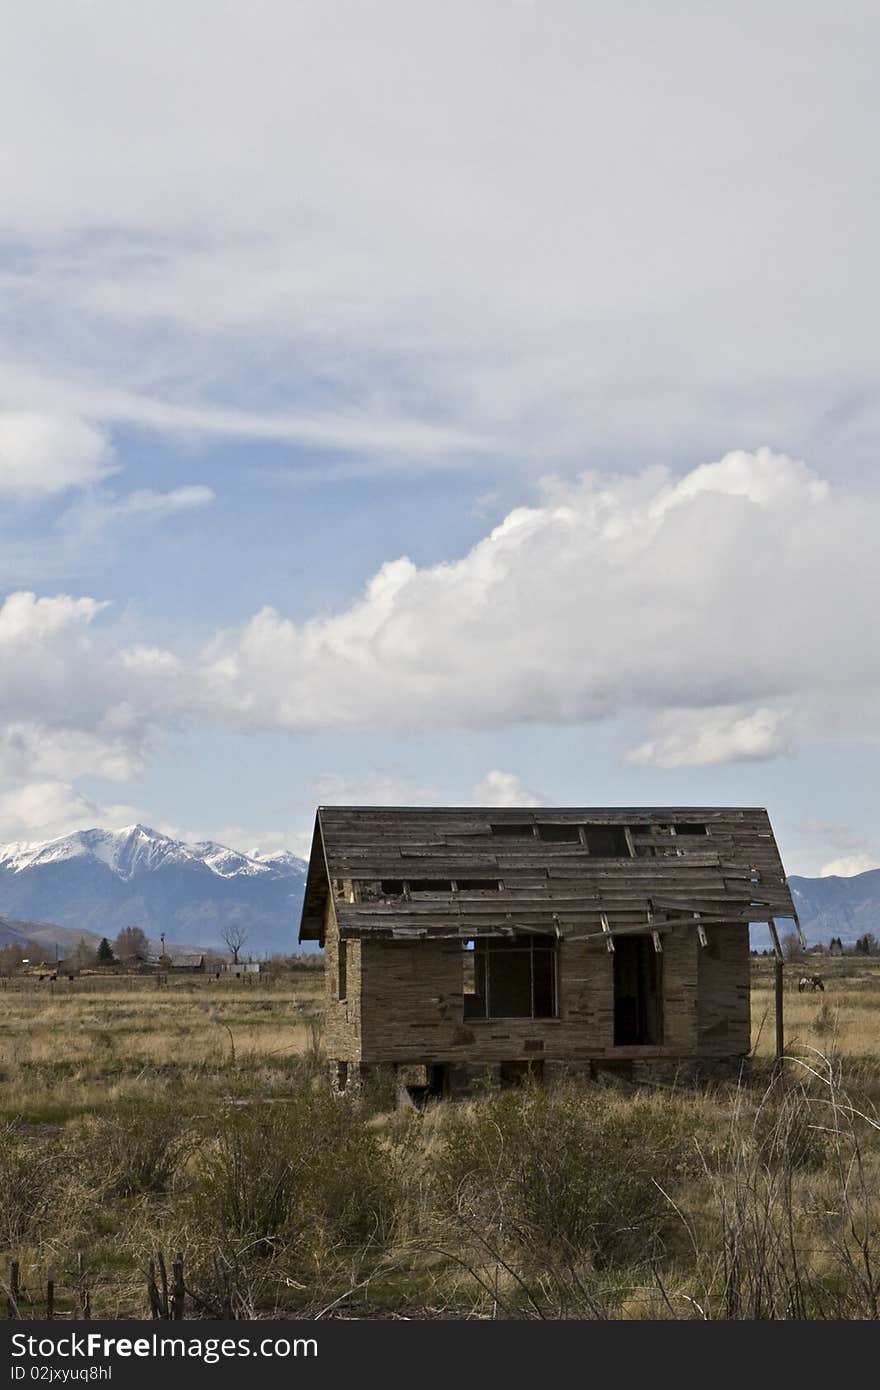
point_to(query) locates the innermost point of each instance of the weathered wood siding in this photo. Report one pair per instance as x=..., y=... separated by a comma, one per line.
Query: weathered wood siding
x=342, y=1017
x=412, y=1006
x=724, y=986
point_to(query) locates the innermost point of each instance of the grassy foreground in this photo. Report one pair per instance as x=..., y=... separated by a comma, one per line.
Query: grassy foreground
x=193, y=1119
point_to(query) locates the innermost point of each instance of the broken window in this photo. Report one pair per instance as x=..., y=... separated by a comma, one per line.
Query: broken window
x=513, y=829
x=638, y=999
x=641, y=842
x=392, y=887
x=511, y=977
x=607, y=841
x=690, y=828
x=342, y=970
x=430, y=885
x=559, y=834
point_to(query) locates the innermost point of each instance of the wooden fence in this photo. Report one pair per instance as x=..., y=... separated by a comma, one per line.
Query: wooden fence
x=167, y=1296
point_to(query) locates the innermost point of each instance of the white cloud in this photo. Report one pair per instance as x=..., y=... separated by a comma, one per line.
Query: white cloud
x=702, y=737
x=25, y=618
x=69, y=708
x=100, y=518
x=43, y=453
x=430, y=266
x=731, y=610
x=732, y=604
x=148, y=503
x=42, y=810
x=849, y=865
x=28, y=749
x=504, y=789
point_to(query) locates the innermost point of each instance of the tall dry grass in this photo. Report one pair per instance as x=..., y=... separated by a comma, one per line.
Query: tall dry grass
x=757, y=1201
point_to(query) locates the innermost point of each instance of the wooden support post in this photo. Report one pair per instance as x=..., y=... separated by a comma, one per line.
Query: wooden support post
x=778, y=980
x=606, y=931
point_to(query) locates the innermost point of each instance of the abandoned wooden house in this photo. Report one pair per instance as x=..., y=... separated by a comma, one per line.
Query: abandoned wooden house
x=463, y=945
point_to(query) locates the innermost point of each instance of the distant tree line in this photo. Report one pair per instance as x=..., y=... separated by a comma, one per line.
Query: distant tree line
x=865, y=945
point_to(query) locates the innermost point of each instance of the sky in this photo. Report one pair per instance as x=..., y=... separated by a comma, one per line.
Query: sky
x=471, y=403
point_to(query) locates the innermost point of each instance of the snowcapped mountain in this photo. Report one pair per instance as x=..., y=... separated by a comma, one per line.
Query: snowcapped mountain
x=836, y=906
x=104, y=880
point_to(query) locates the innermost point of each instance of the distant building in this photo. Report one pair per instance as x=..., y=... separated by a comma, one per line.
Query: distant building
x=185, y=963
x=237, y=968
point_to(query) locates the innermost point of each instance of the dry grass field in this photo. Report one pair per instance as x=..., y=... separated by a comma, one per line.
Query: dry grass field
x=82, y=1045
x=194, y=1118
x=843, y=1020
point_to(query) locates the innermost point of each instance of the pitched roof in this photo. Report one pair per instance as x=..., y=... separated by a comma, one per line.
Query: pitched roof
x=392, y=869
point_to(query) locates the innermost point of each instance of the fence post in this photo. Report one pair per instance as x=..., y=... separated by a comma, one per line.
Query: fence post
x=85, y=1302
x=178, y=1289
x=163, y=1275
x=152, y=1291
x=12, y=1290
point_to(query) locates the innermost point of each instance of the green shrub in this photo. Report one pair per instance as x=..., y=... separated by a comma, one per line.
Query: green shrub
x=138, y=1148
x=307, y=1172
x=570, y=1174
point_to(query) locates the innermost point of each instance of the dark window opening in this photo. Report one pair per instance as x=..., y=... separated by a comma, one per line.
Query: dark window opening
x=430, y=885
x=512, y=830
x=477, y=885
x=559, y=834
x=607, y=841
x=638, y=999
x=392, y=887
x=436, y=1087
x=510, y=978
x=341, y=1075
x=438, y=1081
x=690, y=828
x=342, y=970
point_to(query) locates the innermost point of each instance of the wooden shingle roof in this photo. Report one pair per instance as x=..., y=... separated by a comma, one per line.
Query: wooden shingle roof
x=464, y=871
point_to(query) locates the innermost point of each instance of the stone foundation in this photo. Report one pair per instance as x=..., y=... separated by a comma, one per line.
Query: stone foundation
x=419, y=1082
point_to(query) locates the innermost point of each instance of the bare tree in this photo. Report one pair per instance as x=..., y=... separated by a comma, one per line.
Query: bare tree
x=131, y=941
x=234, y=937
x=792, y=948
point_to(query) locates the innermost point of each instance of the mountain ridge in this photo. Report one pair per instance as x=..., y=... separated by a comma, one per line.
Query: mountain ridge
x=100, y=881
